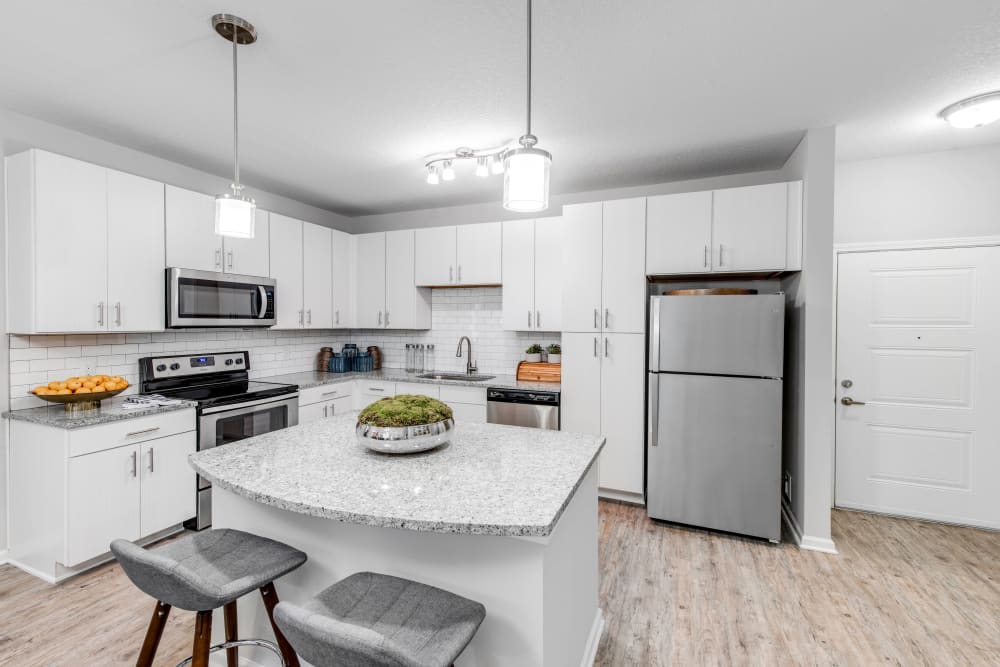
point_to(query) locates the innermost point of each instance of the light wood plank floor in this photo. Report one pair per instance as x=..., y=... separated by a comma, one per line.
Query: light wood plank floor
x=901, y=592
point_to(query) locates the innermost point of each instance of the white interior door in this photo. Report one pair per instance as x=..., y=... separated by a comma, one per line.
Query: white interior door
x=918, y=341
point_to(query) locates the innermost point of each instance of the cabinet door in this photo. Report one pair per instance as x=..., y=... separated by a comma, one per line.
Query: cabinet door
x=312, y=413
x=369, y=304
x=406, y=306
x=317, y=271
x=622, y=411
x=286, y=269
x=549, y=262
x=191, y=239
x=479, y=258
x=749, y=228
x=465, y=413
x=518, y=275
x=251, y=257
x=168, y=483
x=135, y=253
x=339, y=406
x=343, y=279
x=71, y=236
x=624, y=278
x=581, y=383
x=435, y=256
x=582, y=272
x=102, y=502
x=679, y=233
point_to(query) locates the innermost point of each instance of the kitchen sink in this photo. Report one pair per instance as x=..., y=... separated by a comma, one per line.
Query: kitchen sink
x=456, y=376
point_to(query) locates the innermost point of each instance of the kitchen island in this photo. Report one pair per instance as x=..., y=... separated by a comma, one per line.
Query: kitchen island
x=503, y=515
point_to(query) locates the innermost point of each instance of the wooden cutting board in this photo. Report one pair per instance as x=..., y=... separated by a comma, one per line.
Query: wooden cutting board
x=539, y=372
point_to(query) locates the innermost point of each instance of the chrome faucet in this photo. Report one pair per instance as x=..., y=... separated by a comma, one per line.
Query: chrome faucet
x=470, y=367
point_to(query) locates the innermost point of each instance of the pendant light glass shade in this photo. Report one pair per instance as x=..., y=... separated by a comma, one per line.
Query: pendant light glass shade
x=234, y=216
x=526, y=179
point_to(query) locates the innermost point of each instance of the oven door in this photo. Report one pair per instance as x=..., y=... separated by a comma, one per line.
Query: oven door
x=208, y=299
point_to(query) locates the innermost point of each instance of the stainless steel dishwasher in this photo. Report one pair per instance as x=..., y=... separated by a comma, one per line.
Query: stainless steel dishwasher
x=522, y=407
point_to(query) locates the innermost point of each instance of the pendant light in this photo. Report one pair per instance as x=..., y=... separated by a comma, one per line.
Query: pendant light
x=234, y=211
x=526, y=169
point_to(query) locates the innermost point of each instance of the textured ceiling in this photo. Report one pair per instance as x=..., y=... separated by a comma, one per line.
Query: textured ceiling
x=341, y=101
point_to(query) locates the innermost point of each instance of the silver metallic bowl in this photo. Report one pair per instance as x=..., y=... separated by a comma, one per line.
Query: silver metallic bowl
x=405, y=439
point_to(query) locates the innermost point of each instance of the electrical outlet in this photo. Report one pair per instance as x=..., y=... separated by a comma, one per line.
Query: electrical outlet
x=786, y=486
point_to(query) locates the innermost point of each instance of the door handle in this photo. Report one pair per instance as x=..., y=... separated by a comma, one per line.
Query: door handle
x=218, y=258
x=118, y=313
x=151, y=459
x=596, y=316
x=847, y=400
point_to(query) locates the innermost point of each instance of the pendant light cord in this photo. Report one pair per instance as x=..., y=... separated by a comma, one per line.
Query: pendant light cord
x=528, y=132
x=236, y=116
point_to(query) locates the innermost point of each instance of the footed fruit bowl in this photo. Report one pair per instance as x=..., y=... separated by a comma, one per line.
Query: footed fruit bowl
x=405, y=424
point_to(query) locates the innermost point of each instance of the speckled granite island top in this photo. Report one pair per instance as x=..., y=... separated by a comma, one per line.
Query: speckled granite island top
x=111, y=411
x=315, y=379
x=489, y=480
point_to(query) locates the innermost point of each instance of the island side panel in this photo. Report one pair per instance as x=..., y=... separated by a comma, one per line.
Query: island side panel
x=506, y=574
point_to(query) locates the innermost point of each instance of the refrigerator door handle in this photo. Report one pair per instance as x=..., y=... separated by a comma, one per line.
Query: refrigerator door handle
x=654, y=333
x=653, y=423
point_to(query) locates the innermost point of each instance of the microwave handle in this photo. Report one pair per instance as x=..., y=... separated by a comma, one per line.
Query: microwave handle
x=263, y=302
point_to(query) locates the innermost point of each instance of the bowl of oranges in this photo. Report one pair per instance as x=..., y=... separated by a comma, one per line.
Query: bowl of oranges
x=83, y=392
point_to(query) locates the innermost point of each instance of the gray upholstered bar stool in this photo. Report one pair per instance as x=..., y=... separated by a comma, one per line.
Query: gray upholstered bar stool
x=202, y=572
x=372, y=619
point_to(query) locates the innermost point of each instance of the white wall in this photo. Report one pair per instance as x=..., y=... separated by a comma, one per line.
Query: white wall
x=809, y=377
x=946, y=194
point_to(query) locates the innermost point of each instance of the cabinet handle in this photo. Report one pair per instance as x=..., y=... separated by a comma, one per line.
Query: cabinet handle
x=387, y=318
x=325, y=408
x=706, y=257
x=309, y=316
x=118, y=313
x=459, y=273
x=379, y=389
x=328, y=393
x=135, y=463
x=302, y=319
x=538, y=319
x=218, y=258
x=606, y=316
x=595, y=346
x=451, y=274
x=145, y=430
x=333, y=409
x=596, y=316
x=380, y=318
x=100, y=313
x=337, y=316
x=150, y=459
x=230, y=259
x=720, y=256
x=605, y=347
x=529, y=319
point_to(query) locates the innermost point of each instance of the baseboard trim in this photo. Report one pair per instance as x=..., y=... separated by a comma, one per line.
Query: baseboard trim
x=594, y=640
x=47, y=578
x=806, y=542
x=622, y=497
x=3, y=556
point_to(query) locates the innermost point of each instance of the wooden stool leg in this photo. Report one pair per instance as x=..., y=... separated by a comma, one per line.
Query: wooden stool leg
x=153, y=634
x=232, y=634
x=270, y=602
x=202, y=639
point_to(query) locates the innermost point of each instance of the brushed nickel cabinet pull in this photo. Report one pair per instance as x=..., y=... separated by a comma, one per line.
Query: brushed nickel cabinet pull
x=706, y=257
x=607, y=315
x=328, y=393
x=451, y=274
x=380, y=318
x=605, y=347
x=218, y=258
x=596, y=316
x=720, y=256
x=230, y=259
x=337, y=316
x=529, y=319
x=100, y=313
x=302, y=317
x=595, y=346
x=135, y=463
x=538, y=319
x=309, y=316
x=150, y=459
x=145, y=430
x=459, y=273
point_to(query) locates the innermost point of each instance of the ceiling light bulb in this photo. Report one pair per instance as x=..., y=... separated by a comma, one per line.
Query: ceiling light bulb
x=496, y=165
x=974, y=111
x=447, y=173
x=432, y=175
x=526, y=181
x=482, y=169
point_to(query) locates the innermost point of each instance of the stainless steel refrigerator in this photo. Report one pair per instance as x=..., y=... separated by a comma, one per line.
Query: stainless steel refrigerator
x=715, y=396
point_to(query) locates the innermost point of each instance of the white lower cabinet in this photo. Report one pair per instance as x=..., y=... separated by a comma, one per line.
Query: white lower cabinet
x=74, y=491
x=603, y=385
x=325, y=401
x=468, y=404
x=367, y=392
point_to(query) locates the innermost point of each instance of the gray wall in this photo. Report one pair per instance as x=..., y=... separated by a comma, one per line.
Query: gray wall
x=947, y=194
x=809, y=377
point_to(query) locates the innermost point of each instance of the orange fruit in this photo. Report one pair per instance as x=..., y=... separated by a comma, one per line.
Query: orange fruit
x=82, y=390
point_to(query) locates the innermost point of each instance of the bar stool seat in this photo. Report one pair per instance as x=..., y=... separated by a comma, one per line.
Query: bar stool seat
x=203, y=571
x=376, y=619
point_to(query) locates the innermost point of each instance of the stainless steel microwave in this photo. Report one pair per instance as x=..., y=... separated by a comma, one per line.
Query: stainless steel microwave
x=209, y=299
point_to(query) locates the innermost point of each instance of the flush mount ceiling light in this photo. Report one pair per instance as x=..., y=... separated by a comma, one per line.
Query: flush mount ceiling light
x=234, y=211
x=974, y=111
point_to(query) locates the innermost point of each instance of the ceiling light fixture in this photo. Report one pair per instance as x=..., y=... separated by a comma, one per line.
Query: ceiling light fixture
x=447, y=172
x=234, y=211
x=526, y=179
x=433, y=175
x=486, y=161
x=496, y=164
x=973, y=111
x=482, y=168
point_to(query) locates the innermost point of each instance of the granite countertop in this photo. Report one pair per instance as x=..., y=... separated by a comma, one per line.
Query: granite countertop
x=310, y=379
x=111, y=411
x=489, y=480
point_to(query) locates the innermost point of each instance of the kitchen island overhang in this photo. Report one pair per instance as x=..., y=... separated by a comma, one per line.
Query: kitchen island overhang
x=503, y=515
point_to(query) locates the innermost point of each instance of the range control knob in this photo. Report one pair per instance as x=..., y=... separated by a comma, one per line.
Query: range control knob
x=161, y=367
x=229, y=362
x=239, y=361
x=175, y=366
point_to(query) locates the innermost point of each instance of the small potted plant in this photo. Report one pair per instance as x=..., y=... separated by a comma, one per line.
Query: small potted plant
x=555, y=353
x=533, y=354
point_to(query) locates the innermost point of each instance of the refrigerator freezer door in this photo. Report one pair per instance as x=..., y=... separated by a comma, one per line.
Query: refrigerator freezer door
x=721, y=335
x=714, y=453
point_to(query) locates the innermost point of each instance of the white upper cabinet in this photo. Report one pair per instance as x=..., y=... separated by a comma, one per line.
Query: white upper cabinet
x=462, y=255
x=286, y=269
x=135, y=253
x=343, y=279
x=435, y=256
x=549, y=242
x=71, y=274
x=369, y=304
x=191, y=239
x=582, y=267
x=532, y=271
x=749, y=229
x=250, y=257
x=679, y=233
x=406, y=305
x=317, y=276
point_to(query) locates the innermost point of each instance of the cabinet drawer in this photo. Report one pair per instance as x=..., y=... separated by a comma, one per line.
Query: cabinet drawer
x=420, y=388
x=369, y=391
x=129, y=431
x=468, y=414
x=471, y=395
x=326, y=392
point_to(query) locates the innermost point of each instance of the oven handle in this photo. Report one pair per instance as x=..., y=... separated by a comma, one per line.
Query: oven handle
x=238, y=408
